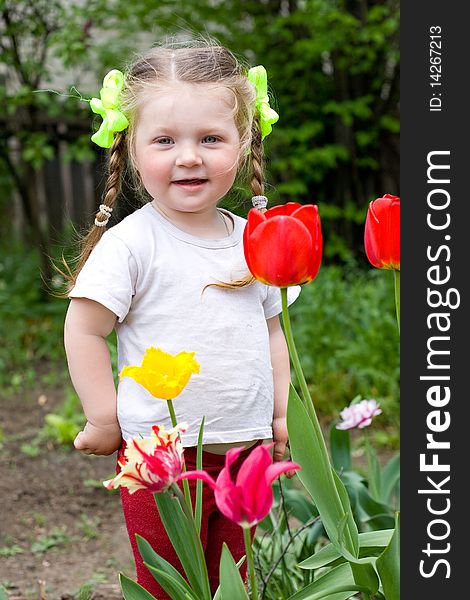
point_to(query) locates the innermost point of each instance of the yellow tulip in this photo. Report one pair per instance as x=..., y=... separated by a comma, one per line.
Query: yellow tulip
x=163, y=375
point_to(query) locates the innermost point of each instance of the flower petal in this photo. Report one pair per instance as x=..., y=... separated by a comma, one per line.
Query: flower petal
x=255, y=218
x=382, y=232
x=280, y=252
x=284, y=210
x=198, y=474
x=251, y=479
x=161, y=374
x=277, y=468
x=229, y=501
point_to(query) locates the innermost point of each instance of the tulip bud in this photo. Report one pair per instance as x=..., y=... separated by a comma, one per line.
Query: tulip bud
x=382, y=233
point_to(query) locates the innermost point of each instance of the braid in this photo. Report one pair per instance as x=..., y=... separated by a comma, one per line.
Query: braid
x=92, y=237
x=257, y=160
x=113, y=182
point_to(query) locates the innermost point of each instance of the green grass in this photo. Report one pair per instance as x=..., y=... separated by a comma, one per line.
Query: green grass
x=58, y=536
x=11, y=550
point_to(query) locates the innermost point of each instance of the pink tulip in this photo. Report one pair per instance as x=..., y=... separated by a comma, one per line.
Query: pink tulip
x=249, y=499
x=359, y=415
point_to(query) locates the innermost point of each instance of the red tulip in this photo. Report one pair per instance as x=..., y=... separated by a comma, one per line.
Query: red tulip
x=283, y=246
x=382, y=233
x=249, y=499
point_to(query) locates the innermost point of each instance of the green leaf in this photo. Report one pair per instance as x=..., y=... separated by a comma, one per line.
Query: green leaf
x=317, y=476
x=367, y=510
x=218, y=592
x=379, y=516
x=3, y=593
x=152, y=559
x=299, y=505
x=186, y=542
x=364, y=575
x=328, y=554
x=390, y=478
x=340, y=449
x=373, y=470
x=231, y=583
x=198, y=507
x=173, y=587
x=132, y=590
x=388, y=565
x=344, y=498
x=338, y=581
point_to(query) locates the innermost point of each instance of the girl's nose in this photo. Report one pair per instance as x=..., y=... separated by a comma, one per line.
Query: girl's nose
x=188, y=156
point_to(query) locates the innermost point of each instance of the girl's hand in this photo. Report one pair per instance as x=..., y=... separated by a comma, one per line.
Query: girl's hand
x=281, y=440
x=100, y=440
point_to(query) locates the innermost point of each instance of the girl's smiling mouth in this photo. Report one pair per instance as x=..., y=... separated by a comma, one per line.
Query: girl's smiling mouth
x=190, y=183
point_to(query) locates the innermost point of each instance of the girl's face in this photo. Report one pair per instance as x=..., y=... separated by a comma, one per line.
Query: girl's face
x=187, y=146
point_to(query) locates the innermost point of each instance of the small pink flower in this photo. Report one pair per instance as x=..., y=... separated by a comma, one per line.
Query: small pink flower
x=150, y=463
x=249, y=499
x=359, y=415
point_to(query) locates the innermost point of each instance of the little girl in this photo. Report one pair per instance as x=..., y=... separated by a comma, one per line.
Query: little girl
x=187, y=120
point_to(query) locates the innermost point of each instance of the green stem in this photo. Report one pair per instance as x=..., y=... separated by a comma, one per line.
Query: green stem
x=174, y=422
x=251, y=564
x=172, y=412
x=182, y=500
x=307, y=399
x=397, y=295
x=294, y=356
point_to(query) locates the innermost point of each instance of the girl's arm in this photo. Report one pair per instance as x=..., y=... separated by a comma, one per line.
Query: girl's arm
x=281, y=374
x=87, y=325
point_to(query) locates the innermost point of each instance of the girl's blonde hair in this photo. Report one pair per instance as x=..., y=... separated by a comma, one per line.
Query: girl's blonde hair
x=196, y=62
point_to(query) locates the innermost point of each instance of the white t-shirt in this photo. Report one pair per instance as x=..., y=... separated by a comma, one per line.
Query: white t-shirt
x=151, y=275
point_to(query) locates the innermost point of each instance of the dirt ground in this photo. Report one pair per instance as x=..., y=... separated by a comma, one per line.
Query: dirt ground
x=60, y=530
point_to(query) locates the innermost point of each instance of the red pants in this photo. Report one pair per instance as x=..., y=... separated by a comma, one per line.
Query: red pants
x=141, y=516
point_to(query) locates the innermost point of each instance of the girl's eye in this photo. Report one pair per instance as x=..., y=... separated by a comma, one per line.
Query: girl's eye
x=210, y=139
x=165, y=141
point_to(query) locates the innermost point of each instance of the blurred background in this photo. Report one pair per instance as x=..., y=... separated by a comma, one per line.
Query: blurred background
x=333, y=68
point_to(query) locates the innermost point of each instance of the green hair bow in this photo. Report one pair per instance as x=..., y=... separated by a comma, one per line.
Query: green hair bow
x=108, y=107
x=267, y=116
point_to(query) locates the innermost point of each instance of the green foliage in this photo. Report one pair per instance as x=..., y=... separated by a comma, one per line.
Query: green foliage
x=62, y=426
x=57, y=537
x=89, y=526
x=346, y=335
x=289, y=534
x=374, y=494
x=231, y=583
x=36, y=149
x=85, y=592
x=308, y=449
x=388, y=565
x=31, y=329
x=11, y=550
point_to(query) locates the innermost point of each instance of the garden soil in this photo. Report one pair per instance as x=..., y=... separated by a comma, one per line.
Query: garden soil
x=62, y=534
